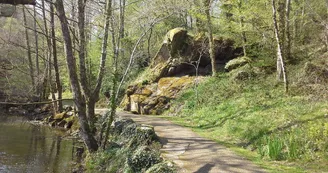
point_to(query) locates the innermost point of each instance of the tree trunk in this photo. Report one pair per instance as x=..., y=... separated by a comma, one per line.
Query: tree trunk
x=288, y=36
x=86, y=133
x=29, y=55
x=55, y=58
x=37, y=55
x=243, y=33
x=115, y=46
x=207, y=6
x=280, y=61
x=49, y=55
x=82, y=50
x=148, y=46
x=103, y=53
x=132, y=59
x=281, y=22
x=326, y=28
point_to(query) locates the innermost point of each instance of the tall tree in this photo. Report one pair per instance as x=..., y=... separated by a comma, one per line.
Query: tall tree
x=288, y=34
x=37, y=64
x=29, y=54
x=79, y=100
x=115, y=46
x=49, y=55
x=242, y=25
x=281, y=70
x=207, y=6
x=55, y=58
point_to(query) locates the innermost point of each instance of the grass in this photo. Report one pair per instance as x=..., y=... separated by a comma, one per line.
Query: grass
x=283, y=133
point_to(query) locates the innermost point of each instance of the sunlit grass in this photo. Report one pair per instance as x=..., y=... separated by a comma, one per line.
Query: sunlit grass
x=257, y=113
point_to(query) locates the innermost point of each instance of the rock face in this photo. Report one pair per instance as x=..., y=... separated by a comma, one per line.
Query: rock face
x=154, y=98
x=181, y=59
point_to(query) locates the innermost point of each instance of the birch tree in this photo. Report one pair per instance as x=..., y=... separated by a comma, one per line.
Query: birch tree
x=281, y=70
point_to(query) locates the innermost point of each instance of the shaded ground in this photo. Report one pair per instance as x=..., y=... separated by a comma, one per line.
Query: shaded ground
x=192, y=153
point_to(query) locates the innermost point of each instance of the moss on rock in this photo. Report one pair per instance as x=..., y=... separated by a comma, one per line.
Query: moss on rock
x=143, y=158
x=243, y=73
x=132, y=148
x=237, y=63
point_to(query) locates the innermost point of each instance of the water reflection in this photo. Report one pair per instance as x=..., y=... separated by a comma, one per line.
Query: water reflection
x=33, y=149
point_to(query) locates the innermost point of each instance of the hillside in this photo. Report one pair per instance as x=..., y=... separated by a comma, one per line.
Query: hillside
x=255, y=113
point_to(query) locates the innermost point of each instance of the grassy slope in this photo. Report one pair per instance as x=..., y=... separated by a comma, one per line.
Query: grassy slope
x=284, y=133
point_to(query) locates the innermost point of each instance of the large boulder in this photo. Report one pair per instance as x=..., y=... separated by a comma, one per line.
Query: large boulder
x=237, y=63
x=143, y=158
x=154, y=98
x=180, y=51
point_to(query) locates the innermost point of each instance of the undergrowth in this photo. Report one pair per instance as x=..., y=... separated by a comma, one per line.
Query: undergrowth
x=257, y=114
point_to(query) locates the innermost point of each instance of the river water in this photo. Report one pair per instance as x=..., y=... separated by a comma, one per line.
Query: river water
x=28, y=148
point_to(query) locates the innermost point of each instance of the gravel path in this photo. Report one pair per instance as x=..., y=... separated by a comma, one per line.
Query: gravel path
x=192, y=153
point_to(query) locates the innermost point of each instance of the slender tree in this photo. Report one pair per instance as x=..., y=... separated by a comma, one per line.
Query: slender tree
x=288, y=35
x=109, y=22
x=79, y=100
x=281, y=71
x=37, y=65
x=49, y=56
x=28, y=46
x=207, y=6
x=55, y=58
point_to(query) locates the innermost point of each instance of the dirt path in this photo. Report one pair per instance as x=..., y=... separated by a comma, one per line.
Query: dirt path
x=192, y=153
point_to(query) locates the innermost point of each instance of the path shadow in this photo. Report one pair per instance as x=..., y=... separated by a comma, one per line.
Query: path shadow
x=206, y=168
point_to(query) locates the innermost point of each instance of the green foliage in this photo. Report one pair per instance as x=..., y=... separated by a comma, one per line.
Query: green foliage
x=163, y=167
x=275, y=148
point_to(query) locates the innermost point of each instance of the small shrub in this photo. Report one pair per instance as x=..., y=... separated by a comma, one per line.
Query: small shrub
x=143, y=158
x=164, y=167
x=145, y=82
x=262, y=150
x=317, y=133
x=275, y=148
x=294, y=147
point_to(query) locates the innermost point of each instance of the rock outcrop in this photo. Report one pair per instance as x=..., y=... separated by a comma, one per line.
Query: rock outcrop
x=237, y=63
x=154, y=98
x=180, y=61
x=132, y=148
x=66, y=119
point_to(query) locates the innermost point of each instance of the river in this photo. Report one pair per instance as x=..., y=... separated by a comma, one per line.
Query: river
x=29, y=148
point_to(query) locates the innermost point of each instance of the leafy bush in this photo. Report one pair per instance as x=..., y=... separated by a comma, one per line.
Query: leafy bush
x=143, y=158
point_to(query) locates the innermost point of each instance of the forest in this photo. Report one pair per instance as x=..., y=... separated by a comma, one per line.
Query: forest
x=248, y=74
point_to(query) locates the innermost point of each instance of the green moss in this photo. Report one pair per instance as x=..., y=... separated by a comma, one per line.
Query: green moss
x=173, y=32
x=237, y=62
x=60, y=116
